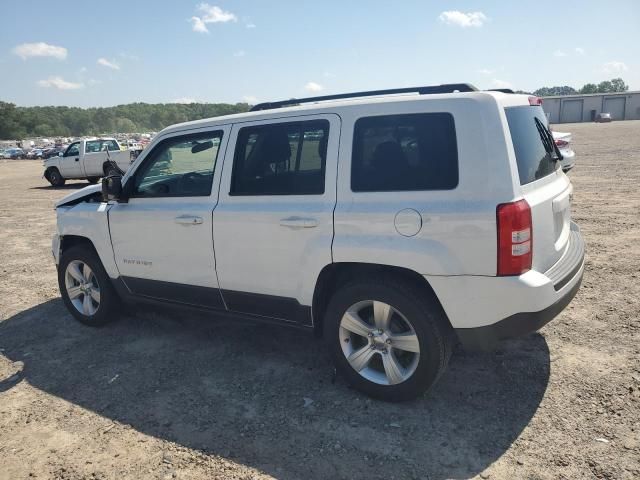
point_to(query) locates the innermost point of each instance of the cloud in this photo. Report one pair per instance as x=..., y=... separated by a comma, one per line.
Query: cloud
x=559, y=53
x=580, y=51
x=313, y=87
x=210, y=14
x=198, y=25
x=239, y=53
x=250, y=25
x=614, y=67
x=184, y=100
x=486, y=71
x=250, y=99
x=496, y=83
x=464, y=20
x=40, y=49
x=59, y=83
x=106, y=63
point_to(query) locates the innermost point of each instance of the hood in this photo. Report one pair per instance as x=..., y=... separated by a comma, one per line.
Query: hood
x=79, y=195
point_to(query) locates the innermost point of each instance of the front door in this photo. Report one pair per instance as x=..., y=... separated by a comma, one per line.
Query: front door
x=161, y=237
x=70, y=164
x=273, y=225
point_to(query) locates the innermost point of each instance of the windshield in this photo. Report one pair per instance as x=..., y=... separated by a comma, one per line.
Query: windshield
x=535, y=152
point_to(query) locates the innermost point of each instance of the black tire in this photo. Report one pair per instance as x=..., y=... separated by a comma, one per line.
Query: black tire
x=421, y=310
x=109, y=305
x=54, y=177
x=93, y=180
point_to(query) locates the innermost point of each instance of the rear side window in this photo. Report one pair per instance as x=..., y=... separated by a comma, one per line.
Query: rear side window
x=404, y=153
x=281, y=159
x=533, y=158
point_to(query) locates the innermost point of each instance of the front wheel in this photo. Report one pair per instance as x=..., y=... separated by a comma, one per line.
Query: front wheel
x=55, y=177
x=389, y=339
x=85, y=287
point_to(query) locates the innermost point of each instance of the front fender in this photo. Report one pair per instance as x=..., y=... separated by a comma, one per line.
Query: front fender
x=89, y=220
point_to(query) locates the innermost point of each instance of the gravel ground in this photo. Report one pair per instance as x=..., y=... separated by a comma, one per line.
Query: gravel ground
x=173, y=395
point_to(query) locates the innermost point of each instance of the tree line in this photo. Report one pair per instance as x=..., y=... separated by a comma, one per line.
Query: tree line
x=606, y=86
x=24, y=122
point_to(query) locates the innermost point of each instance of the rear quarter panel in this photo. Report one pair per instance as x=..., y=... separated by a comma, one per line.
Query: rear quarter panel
x=458, y=234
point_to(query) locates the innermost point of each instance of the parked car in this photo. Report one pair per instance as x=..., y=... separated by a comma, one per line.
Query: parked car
x=13, y=153
x=88, y=159
x=52, y=152
x=35, y=154
x=603, y=118
x=398, y=226
x=563, y=142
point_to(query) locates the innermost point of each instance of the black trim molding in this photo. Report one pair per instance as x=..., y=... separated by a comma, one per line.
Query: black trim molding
x=268, y=307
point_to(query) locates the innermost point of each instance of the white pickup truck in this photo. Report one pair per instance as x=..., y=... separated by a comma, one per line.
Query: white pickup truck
x=88, y=159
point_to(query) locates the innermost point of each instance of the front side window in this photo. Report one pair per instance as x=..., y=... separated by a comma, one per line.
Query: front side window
x=281, y=159
x=404, y=153
x=74, y=149
x=93, y=146
x=179, y=167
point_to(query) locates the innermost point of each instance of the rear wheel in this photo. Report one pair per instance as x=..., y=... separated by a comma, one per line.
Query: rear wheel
x=54, y=177
x=390, y=340
x=85, y=287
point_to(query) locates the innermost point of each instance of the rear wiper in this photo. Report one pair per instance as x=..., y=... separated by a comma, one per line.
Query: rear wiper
x=548, y=141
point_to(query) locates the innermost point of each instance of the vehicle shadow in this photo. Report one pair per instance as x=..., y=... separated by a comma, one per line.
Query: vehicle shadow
x=66, y=186
x=264, y=396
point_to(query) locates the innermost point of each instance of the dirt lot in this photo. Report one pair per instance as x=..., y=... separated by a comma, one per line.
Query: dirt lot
x=182, y=396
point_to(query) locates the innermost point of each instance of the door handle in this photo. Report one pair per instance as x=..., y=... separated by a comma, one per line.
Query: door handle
x=188, y=220
x=77, y=159
x=298, y=222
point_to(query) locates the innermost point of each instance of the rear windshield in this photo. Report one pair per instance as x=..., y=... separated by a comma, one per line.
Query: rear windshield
x=534, y=161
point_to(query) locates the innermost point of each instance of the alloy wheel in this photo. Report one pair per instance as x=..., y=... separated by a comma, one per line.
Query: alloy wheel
x=379, y=342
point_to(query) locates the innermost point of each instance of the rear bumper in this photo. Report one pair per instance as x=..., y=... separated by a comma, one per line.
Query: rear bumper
x=516, y=325
x=485, y=310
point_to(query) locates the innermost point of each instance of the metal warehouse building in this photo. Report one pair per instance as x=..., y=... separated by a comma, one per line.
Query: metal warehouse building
x=584, y=108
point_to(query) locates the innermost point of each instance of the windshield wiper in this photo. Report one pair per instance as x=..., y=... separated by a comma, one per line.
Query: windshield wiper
x=548, y=141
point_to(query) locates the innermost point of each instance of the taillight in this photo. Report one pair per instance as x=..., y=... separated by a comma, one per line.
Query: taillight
x=514, y=237
x=535, y=101
x=561, y=143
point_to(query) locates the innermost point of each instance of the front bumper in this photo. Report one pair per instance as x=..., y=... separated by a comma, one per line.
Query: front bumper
x=521, y=304
x=568, y=159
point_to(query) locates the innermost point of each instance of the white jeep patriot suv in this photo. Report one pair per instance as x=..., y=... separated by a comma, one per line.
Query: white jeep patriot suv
x=391, y=222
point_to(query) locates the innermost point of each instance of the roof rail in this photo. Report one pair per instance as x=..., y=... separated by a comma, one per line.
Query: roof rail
x=428, y=90
x=503, y=90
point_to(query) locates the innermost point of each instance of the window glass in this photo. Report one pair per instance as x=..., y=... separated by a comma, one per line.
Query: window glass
x=404, y=152
x=533, y=158
x=74, y=149
x=93, y=146
x=281, y=159
x=179, y=167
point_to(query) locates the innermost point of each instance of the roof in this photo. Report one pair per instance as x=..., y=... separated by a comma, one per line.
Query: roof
x=330, y=106
x=580, y=95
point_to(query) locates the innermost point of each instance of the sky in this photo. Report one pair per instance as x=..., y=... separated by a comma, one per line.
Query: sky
x=96, y=53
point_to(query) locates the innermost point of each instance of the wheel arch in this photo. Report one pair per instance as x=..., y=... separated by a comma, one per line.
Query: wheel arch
x=335, y=275
x=68, y=241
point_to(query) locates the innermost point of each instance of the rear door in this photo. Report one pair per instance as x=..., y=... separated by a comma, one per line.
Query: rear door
x=273, y=225
x=545, y=188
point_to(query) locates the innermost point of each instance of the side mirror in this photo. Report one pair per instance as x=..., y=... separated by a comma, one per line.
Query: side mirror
x=60, y=154
x=112, y=188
